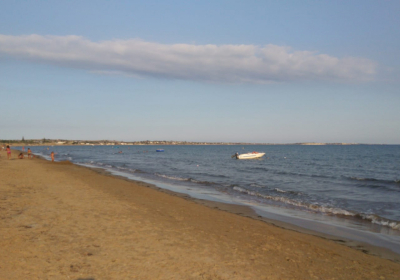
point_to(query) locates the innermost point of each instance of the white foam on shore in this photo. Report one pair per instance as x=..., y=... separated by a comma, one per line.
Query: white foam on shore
x=324, y=209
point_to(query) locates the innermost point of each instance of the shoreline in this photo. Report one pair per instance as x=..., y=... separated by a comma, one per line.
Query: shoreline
x=381, y=247
x=366, y=241
x=249, y=212
x=225, y=223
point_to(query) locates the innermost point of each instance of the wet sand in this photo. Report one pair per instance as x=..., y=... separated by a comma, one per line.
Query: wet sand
x=63, y=221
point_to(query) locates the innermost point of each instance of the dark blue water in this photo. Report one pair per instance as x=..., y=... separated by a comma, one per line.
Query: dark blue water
x=358, y=184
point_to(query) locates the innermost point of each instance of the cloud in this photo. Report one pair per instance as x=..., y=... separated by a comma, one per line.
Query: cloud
x=209, y=63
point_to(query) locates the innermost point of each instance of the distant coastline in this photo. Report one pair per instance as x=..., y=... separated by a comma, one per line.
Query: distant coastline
x=60, y=142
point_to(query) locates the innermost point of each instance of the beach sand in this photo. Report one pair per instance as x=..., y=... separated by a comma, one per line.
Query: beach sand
x=63, y=221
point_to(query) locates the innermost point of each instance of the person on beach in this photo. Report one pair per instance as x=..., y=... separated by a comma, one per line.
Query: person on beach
x=29, y=153
x=52, y=156
x=21, y=156
x=8, y=152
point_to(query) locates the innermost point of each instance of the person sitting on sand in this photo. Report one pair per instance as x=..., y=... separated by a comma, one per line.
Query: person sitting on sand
x=29, y=153
x=21, y=156
x=8, y=152
x=52, y=156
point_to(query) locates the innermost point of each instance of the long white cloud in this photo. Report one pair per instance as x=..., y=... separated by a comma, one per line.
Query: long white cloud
x=211, y=63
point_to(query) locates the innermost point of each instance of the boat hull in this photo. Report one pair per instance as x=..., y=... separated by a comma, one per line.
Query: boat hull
x=250, y=155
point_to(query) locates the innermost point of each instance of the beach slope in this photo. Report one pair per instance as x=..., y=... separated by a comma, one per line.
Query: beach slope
x=62, y=221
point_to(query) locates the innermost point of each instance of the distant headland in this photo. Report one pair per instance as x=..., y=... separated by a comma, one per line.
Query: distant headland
x=60, y=142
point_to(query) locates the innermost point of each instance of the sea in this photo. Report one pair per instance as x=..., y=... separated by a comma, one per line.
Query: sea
x=347, y=191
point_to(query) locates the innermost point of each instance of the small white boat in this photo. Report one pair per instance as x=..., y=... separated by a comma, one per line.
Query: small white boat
x=249, y=155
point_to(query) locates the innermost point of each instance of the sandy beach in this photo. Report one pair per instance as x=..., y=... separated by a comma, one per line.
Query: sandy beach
x=63, y=221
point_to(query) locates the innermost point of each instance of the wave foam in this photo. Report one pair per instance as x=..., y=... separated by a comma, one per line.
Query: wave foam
x=289, y=192
x=172, y=177
x=185, y=179
x=375, y=219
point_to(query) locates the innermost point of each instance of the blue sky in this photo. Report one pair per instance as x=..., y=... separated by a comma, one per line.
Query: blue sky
x=234, y=71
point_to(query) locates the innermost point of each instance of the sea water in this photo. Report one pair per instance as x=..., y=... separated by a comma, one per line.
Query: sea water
x=345, y=190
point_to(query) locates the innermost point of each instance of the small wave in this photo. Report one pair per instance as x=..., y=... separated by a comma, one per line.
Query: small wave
x=375, y=180
x=99, y=164
x=375, y=219
x=127, y=170
x=297, y=174
x=172, y=177
x=257, y=186
x=260, y=168
x=290, y=192
x=285, y=200
x=387, y=185
x=206, y=183
x=139, y=171
x=364, y=179
x=211, y=175
x=185, y=179
x=108, y=166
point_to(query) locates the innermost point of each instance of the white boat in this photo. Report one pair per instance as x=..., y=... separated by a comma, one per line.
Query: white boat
x=249, y=155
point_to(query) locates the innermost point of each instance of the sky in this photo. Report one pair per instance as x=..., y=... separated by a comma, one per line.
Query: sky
x=215, y=71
